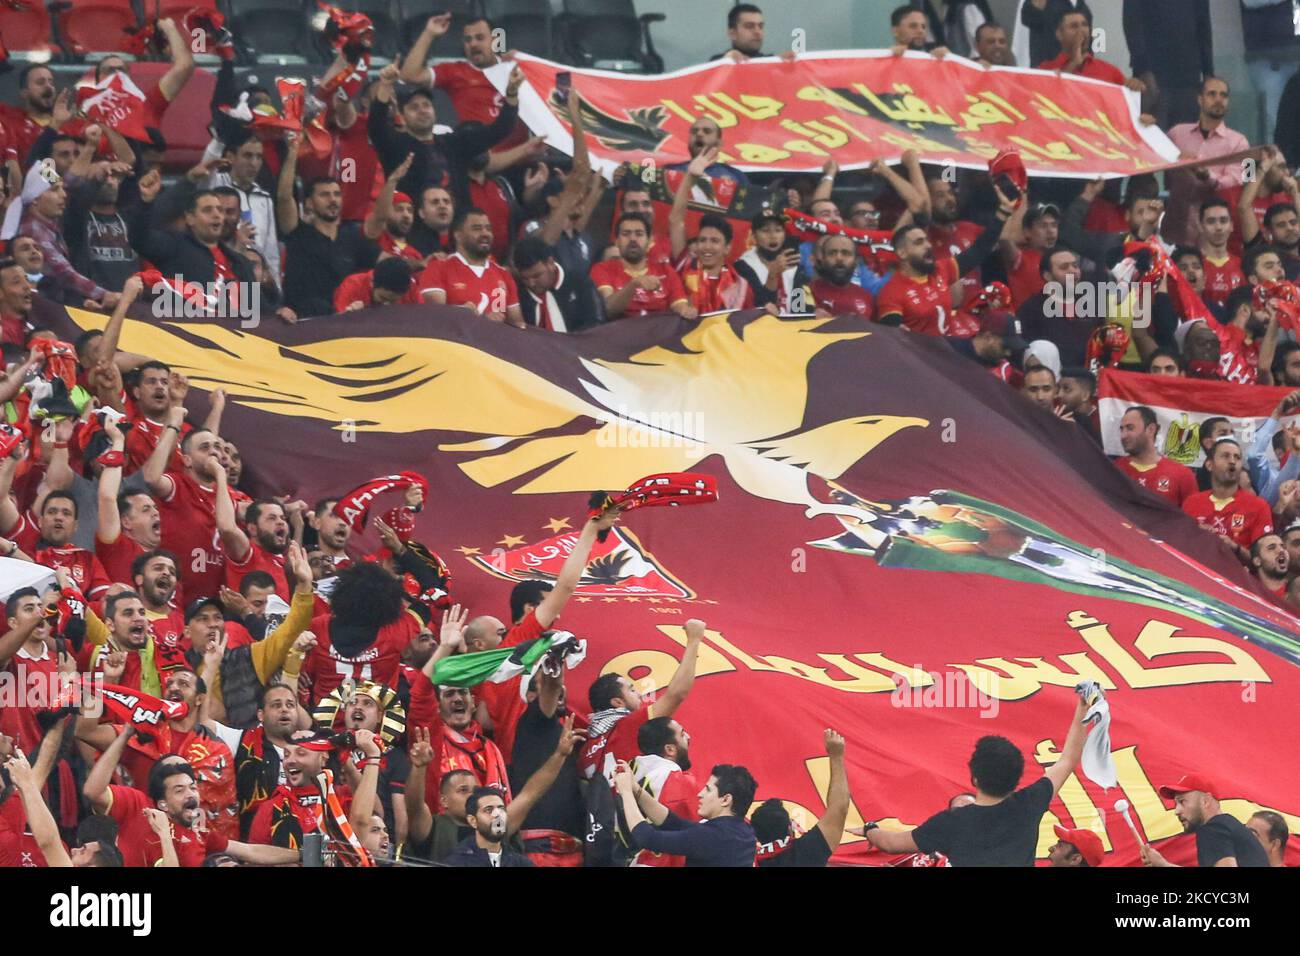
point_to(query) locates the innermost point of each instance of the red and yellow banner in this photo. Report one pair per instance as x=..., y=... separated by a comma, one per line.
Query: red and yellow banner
x=853, y=107
x=903, y=548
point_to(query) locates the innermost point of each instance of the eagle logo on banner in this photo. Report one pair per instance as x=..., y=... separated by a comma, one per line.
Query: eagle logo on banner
x=642, y=131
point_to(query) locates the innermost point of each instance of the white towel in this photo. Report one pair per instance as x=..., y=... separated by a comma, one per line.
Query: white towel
x=1097, y=762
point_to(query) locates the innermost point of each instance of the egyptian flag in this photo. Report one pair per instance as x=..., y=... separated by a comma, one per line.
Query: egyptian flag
x=553, y=650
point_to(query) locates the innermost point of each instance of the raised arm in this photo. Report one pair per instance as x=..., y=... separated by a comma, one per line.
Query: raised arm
x=101, y=775
x=826, y=185
x=16, y=637
x=155, y=468
x=286, y=205
x=9, y=516
x=419, y=820
x=1072, y=751
x=234, y=541
x=373, y=227
x=683, y=678
x=39, y=819
x=413, y=68
x=566, y=582
x=109, y=526
x=682, y=199
x=1250, y=228
x=837, y=794
x=365, y=797
x=178, y=49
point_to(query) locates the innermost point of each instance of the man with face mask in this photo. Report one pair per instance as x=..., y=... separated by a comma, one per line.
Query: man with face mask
x=771, y=267
x=171, y=788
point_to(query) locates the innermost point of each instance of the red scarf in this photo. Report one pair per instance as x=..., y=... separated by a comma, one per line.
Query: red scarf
x=473, y=753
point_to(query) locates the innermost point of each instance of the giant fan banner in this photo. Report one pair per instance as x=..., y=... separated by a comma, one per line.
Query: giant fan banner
x=903, y=548
x=853, y=107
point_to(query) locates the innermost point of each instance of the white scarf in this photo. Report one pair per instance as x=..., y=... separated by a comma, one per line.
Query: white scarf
x=1097, y=762
x=40, y=179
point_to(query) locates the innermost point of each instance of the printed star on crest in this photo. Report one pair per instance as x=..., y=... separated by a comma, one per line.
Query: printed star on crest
x=511, y=540
x=634, y=599
x=610, y=600
x=468, y=551
x=558, y=524
x=583, y=600
x=653, y=600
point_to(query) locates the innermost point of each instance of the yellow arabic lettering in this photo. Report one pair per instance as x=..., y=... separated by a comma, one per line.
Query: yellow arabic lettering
x=824, y=94
x=816, y=130
x=1157, y=640
x=751, y=106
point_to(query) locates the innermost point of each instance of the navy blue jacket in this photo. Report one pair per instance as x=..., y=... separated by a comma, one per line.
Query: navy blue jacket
x=722, y=841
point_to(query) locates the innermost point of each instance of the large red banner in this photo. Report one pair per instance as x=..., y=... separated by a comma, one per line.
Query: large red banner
x=854, y=107
x=903, y=548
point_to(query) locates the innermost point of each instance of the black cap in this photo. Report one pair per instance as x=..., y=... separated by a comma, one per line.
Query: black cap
x=764, y=216
x=1038, y=211
x=198, y=604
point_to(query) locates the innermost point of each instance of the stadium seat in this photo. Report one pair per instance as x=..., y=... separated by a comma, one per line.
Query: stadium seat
x=608, y=35
x=273, y=31
x=416, y=13
x=157, y=9
x=27, y=33
x=95, y=26
x=527, y=24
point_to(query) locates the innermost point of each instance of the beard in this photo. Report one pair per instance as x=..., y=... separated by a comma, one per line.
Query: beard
x=835, y=275
x=924, y=266
x=767, y=255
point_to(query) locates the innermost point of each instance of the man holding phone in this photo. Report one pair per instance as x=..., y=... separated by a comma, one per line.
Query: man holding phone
x=772, y=267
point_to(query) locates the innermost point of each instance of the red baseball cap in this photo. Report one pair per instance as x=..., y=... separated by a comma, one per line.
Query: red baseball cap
x=1189, y=781
x=1085, y=841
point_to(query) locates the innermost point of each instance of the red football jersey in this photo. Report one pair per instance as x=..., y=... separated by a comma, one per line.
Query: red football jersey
x=189, y=531
x=1221, y=278
x=492, y=198
x=1238, y=360
x=18, y=718
x=1166, y=478
x=600, y=754
x=140, y=845
x=1245, y=518
x=85, y=569
x=258, y=559
x=680, y=793
x=611, y=275
x=142, y=439
x=325, y=668
x=118, y=557
x=1024, y=279
x=360, y=287
x=488, y=288
x=950, y=242
x=474, y=97
x=18, y=848
x=504, y=705
x=847, y=299
x=925, y=306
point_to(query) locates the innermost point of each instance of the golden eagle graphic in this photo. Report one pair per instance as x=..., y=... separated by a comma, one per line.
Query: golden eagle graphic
x=736, y=392
x=641, y=132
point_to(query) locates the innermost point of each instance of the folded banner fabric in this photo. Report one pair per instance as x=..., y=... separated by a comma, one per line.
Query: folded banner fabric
x=902, y=548
x=853, y=107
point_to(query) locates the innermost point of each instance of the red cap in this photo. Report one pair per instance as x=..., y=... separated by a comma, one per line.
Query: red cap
x=402, y=197
x=1189, y=781
x=1085, y=841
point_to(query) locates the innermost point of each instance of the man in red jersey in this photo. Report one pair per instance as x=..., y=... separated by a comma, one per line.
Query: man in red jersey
x=1222, y=269
x=27, y=658
x=1238, y=517
x=48, y=539
x=23, y=124
x=469, y=277
x=835, y=260
x=503, y=701
x=157, y=391
x=1270, y=562
x=1074, y=33
x=187, y=502
x=662, y=767
x=949, y=235
x=618, y=711
x=1040, y=231
x=634, y=284
x=156, y=578
x=127, y=523
x=1138, y=429
x=259, y=548
x=471, y=92
x=363, y=636
x=172, y=789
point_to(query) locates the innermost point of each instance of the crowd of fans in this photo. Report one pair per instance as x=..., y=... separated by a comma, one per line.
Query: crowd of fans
x=294, y=717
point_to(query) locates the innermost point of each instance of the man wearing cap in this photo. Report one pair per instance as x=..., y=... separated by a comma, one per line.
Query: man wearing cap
x=771, y=267
x=1075, y=848
x=1221, y=839
x=1238, y=517
x=1138, y=429
x=1022, y=249
x=993, y=345
x=390, y=222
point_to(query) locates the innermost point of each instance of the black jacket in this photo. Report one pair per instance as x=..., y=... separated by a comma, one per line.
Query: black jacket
x=1170, y=38
x=178, y=252
x=577, y=297
x=440, y=161
x=469, y=853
